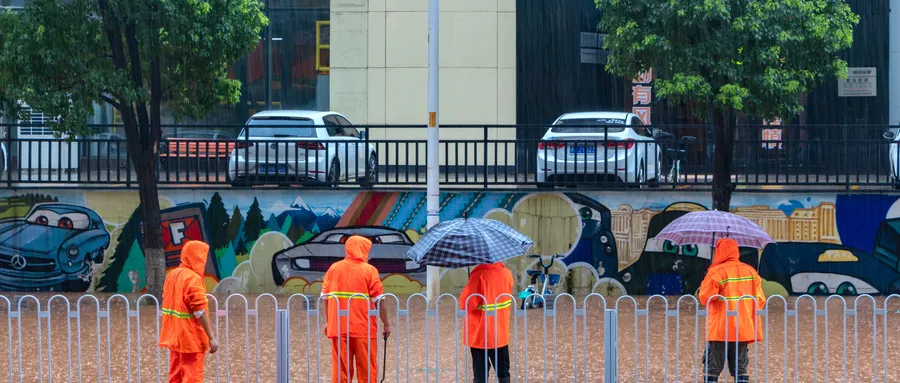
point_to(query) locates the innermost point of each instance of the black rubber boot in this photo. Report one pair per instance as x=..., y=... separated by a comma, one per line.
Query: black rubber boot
x=711, y=379
x=506, y=380
x=742, y=379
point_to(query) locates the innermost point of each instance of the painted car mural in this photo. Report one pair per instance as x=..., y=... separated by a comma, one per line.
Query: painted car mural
x=597, y=245
x=668, y=269
x=276, y=242
x=53, y=249
x=310, y=260
x=824, y=268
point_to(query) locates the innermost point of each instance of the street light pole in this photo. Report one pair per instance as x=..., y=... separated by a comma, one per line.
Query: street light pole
x=432, y=276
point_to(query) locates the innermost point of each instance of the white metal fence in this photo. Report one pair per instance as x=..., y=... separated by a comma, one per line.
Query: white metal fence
x=268, y=338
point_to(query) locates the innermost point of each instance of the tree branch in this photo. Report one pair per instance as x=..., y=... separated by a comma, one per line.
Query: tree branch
x=113, y=103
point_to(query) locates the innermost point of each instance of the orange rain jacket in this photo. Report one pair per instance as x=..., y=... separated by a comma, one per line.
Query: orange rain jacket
x=184, y=295
x=732, y=279
x=352, y=277
x=491, y=281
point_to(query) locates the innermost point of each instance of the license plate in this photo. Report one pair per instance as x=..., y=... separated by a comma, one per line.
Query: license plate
x=272, y=169
x=581, y=149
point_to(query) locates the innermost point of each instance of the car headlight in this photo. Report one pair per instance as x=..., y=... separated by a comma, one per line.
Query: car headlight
x=603, y=239
x=73, y=251
x=301, y=263
x=412, y=265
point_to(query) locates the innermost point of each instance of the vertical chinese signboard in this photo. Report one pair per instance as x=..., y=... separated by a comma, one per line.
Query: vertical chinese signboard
x=642, y=95
x=770, y=135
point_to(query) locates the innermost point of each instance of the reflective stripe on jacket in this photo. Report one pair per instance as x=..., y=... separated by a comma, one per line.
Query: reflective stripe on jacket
x=352, y=283
x=732, y=279
x=495, y=283
x=183, y=295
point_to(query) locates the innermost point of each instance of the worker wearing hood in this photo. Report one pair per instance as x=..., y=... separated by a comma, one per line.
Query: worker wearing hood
x=488, y=302
x=185, y=321
x=352, y=284
x=730, y=285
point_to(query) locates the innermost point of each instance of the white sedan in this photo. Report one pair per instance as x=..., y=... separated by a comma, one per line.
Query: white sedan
x=285, y=147
x=597, y=147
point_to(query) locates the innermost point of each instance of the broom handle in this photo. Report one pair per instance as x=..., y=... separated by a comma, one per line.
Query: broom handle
x=384, y=361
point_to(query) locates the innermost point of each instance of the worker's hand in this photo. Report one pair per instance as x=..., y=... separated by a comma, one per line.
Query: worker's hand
x=213, y=346
x=387, y=330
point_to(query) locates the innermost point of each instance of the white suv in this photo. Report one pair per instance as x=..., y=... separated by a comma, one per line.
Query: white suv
x=284, y=147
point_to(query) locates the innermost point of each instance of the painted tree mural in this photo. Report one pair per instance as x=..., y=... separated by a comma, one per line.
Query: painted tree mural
x=109, y=279
x=218, y=222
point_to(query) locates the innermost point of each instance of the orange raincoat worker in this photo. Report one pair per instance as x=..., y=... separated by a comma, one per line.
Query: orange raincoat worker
x=731, y=279
x=486, y=339
x=353, y=284
x=185, y=324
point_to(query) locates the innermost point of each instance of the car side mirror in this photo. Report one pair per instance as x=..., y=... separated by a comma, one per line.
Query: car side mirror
x=362, y=135
x=890, y=135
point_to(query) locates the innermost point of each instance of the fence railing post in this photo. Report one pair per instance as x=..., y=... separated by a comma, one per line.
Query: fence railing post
x=282, y=346
x=610, y=345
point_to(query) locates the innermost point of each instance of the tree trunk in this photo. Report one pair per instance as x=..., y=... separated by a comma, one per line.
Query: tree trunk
x=154, y=255
x=722, y=187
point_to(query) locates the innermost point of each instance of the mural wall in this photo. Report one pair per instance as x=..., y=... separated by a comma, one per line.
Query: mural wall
x=284, y=241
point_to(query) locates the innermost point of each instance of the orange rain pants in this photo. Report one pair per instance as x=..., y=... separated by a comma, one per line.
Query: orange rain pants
x=366, y=366
x=186, y=367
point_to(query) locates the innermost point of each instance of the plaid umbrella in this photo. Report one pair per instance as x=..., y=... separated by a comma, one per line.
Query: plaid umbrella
x=706, y=227
x=468, y=242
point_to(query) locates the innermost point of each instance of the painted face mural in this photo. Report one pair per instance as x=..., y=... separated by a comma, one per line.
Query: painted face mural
x=283, y=242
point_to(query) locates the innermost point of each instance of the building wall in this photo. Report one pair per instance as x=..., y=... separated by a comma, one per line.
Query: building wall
x=605, y=238
x=379, y=65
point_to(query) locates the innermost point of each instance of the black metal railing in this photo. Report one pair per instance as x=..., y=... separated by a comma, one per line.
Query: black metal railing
x=673, y=157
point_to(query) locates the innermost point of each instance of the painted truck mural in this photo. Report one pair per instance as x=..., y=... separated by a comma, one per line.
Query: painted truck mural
x=284, y=241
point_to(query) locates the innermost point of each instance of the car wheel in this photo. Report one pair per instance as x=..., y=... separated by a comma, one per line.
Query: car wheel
x=100, y=255
x=371, y=173
x=75, y=286
x=334, y=173
x=654, y=183
x=817, y=288
x=846, y=288
x=640, y=180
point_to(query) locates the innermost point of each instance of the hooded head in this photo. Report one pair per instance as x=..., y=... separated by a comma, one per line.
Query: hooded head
x=193, y=256
x=357, y=248
x=726, y=251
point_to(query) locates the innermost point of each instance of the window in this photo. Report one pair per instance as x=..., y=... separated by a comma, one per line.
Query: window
x=351, y=132
x=74, y=221
x=333, y=126
x=281, y=127
x=639, y=127
x=342, y=121
x=589, y=125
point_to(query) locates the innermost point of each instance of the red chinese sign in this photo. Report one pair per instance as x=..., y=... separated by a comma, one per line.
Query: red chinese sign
x=642, y=95
x=769, y=135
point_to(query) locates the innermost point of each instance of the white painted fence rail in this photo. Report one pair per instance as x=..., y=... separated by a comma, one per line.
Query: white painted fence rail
x=268, y=338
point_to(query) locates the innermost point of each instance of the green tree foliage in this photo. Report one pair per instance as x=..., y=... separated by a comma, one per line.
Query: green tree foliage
x=254, y=223
x=730, y=57
x=218, y=222
x=63, y=57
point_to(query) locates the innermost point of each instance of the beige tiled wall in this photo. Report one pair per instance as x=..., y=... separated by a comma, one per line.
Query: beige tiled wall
x=379, y=66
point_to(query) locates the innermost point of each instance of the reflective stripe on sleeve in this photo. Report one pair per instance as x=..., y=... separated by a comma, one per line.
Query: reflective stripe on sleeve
x=177, y=314
x=497, y=306
x=736, y=279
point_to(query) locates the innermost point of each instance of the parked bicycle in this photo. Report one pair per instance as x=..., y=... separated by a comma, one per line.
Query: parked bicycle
x=675, y=153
